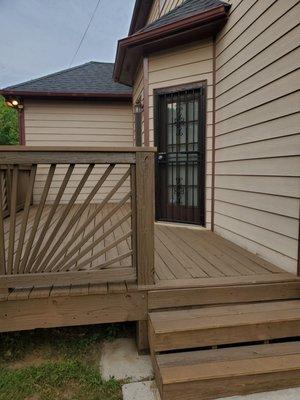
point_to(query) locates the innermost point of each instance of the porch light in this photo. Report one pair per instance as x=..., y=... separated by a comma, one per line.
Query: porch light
x=9, y=103
x=138, y=107
x=14, y=103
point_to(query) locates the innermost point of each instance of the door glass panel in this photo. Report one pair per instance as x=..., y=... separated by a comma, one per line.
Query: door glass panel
x=172, y=110
x=171, y=141
x=181, y=126
x=193, y=109
x=193, y=138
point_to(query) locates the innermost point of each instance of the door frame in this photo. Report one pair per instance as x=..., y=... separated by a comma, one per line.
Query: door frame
x=156, y=121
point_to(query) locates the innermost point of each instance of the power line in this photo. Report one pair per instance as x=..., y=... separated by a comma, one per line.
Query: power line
x=85, y=32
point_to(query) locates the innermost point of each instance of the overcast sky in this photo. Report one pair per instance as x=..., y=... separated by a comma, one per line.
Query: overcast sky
x=38, y=37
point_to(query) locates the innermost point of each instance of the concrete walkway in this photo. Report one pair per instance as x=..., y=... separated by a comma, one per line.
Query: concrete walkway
x=140, y=391
x=120, y=360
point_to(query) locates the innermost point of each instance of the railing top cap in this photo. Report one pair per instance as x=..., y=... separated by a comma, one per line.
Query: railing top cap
x=77, y=149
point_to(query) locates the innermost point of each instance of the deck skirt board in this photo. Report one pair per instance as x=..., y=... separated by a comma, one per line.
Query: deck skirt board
x=71, y=310
x=196, y=296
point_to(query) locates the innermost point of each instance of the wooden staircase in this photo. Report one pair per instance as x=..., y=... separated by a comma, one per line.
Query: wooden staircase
x=218, y=351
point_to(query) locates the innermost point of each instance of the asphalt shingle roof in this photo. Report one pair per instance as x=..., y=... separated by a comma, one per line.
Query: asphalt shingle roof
x=187, y=8
x=92, y=77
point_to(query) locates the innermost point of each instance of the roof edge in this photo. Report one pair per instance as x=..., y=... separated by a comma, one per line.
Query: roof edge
x=61, y=71
x=104, y=95
x=162, y=32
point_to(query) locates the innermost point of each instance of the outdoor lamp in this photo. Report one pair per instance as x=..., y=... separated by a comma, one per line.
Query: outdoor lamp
x=138, y=107
x=8, y=103
x=14, y=103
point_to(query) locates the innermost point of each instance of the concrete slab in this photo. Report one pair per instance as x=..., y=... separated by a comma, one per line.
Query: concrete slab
x=120, y=359
x=140, y=391
x=287, y=394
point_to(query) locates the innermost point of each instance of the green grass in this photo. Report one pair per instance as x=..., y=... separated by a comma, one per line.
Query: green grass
x=56, y=364
x=68, y=379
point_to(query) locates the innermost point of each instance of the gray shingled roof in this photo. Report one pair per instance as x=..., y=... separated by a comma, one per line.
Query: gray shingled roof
x=92, y=78
x=189, y=7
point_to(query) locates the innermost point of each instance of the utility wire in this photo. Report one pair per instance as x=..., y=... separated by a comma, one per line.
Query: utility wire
x=85, y=32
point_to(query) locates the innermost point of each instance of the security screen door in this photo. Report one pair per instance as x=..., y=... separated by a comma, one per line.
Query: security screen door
x=180, y=121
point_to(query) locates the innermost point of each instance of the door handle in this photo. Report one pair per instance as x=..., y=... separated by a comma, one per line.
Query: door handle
x=161, y=156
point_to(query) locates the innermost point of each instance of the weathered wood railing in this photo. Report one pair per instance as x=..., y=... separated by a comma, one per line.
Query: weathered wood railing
x=87, y=216
x=6, y=175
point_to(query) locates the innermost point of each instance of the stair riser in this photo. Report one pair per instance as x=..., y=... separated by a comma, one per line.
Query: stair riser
x=216, y=388
x=223, y=335
x=164, y=299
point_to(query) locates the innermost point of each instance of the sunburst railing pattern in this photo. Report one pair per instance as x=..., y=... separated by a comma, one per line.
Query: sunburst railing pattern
x=75, y=216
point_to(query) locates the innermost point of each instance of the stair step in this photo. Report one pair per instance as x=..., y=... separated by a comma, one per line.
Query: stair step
x=209, y=374
x=210, y=326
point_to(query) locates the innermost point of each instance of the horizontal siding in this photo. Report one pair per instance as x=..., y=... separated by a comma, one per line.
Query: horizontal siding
x=252, y=49
x=284, y=125
x=283, y=206
x=65, y=123
x=184, y=65
x=162, y=7
x=265, y=78
x=287, y=145
x=257, y=182
x=284, y=106
x=279, y=48
x=271, y=166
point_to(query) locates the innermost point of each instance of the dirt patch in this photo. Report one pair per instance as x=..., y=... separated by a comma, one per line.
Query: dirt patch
x=35, y=358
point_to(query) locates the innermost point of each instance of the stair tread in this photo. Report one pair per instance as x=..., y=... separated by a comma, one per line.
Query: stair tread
x=227, y=354
x=226, y=363
x=224, y=316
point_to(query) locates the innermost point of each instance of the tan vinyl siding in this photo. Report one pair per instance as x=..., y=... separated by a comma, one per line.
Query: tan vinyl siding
x=183, y=65
x=257, y=183
x=75, y=123
x=162, y=7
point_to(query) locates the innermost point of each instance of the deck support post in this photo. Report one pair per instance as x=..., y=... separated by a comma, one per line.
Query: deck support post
x=142, y=340
x=144, y=232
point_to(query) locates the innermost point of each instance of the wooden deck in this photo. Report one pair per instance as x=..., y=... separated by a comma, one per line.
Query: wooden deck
x=193, y=267
x=190, y=253
x=184, y=256
x=91, y=254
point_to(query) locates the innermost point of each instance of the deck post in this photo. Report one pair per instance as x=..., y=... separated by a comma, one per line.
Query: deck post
x=145, y=218
x=144, y=232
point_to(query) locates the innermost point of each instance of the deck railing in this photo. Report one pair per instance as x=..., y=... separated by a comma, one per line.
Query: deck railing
x=6, y=174
x=76, y=216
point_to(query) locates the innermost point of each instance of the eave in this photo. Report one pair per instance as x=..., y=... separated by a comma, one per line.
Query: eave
x=193, y=27
x=66, y=95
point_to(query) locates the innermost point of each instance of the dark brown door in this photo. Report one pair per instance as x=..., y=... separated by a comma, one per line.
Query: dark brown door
x=180, y=168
